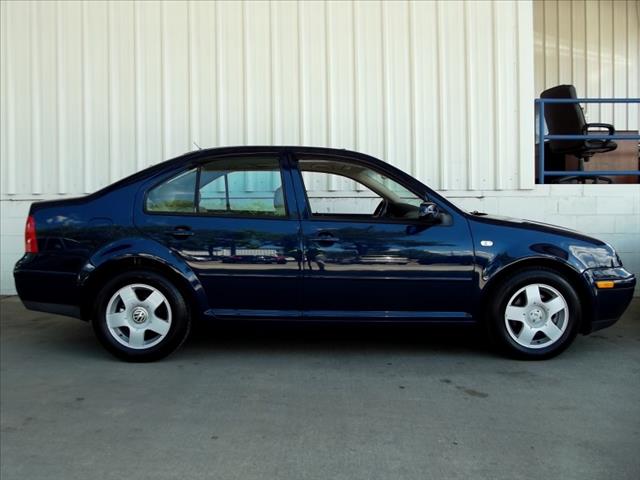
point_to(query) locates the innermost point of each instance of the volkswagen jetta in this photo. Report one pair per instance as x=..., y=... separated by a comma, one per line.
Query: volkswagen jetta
x=301, y=234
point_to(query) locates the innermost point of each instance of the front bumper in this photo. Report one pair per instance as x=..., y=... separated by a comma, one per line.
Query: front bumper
x=609, y=303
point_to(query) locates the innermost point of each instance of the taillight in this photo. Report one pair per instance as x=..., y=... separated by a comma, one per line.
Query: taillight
x=30, y=240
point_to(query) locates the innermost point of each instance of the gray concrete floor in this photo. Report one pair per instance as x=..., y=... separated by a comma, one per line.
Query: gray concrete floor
x=315, y=402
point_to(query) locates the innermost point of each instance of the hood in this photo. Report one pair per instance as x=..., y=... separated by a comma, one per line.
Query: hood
x=535, y=226
x=552, y=240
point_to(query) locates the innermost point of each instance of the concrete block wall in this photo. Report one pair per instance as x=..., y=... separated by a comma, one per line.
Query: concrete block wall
x=609, y=212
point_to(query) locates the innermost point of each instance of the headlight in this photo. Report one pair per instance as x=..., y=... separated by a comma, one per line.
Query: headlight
x=596, y=257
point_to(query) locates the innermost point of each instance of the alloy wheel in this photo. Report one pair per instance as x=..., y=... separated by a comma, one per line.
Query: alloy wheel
x=536, y=316
x=138, y=316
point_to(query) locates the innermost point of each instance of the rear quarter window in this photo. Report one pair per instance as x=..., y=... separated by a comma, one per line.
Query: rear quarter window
x=176, y=195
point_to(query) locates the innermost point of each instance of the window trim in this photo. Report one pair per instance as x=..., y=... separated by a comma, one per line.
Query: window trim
x=278, y=157
x=352, y=218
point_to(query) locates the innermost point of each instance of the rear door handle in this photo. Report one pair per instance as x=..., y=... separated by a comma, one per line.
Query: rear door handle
x=181, y=232
x=324, y=237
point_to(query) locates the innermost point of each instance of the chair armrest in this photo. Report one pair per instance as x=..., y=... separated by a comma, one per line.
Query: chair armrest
x=585, y=129
x=599, y=143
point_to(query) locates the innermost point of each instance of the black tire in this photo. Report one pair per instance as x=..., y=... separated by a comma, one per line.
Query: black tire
x=500, y=297
x=178, y=330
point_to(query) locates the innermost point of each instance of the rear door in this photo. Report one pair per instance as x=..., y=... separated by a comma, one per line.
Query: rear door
x=234, y=221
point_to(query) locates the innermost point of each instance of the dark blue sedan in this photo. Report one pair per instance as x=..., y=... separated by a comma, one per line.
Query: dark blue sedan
x=307, y=234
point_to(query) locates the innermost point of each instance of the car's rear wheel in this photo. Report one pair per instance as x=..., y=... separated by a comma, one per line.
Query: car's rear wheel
x=140, y=316
x=534, y=314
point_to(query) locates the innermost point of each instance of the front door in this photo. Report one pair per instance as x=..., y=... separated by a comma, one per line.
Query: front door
x=233, y=221
x=368, y=255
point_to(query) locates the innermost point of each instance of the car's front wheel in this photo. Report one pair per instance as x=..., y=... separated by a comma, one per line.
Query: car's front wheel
x=535, y=314
x=140, y=317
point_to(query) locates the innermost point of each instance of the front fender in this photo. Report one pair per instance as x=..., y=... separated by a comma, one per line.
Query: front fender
x=503, y=247
x=500, y=243
x=148, y=252
x=496, y=265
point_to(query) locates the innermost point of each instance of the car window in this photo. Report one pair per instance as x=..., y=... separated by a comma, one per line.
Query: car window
x=176, y=195
x=249, y=186
x=342, y=188
x=328, y=193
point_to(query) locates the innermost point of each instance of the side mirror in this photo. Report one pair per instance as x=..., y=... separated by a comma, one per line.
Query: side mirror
x=429, y=212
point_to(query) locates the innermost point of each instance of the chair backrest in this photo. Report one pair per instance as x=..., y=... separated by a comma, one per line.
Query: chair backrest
x=564, y=119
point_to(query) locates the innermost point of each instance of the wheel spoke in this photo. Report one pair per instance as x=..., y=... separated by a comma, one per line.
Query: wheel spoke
x=555, y=305
x=161, y=327
x=154, y=300
x=128, y=296
x=516, y=313
x=136, y=337
x=533, y=294
x=552, y=331
x=526, y=334
x=118, y=319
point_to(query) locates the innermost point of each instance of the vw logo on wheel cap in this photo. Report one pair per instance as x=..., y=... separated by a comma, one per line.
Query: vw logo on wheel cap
x=139, y=315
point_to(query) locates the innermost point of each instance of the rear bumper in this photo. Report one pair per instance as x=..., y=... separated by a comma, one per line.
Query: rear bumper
x=609, y=303
x=44, y=291
x=56, y=308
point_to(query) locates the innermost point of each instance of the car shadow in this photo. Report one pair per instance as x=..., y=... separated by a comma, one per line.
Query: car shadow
x=27, y=334
x=337, y=338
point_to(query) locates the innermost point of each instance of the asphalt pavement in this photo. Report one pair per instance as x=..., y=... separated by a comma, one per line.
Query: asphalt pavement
x=315, y=402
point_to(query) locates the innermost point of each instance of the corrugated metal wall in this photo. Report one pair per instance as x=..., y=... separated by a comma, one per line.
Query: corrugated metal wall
x=92, y=91
x=594, y=45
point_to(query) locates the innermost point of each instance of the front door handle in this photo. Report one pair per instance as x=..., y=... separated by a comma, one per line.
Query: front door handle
x=181, y=232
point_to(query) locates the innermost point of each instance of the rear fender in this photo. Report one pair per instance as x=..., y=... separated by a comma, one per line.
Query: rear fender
x=143, y=253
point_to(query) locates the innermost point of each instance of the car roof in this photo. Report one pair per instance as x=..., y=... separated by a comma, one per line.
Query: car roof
x=204, y=153
x=253, y=149
x=272, y=148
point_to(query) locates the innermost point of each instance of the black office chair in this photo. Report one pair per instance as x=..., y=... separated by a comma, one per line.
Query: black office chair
x=568, y=119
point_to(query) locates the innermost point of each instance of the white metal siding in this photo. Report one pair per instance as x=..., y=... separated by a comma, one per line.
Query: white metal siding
x=93, y=90
x=595, y=45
